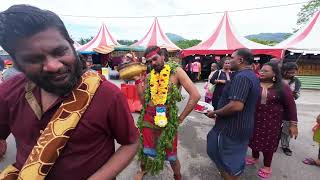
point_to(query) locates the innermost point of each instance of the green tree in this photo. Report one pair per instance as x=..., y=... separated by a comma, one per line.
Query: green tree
x=265, y=42
x=127, y=42
x=307, y=11
x=287, y=36
x=184, y=44
x=83, y=41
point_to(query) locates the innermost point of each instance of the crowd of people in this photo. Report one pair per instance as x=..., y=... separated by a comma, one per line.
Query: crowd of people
x=65, y=118
x=274, y=116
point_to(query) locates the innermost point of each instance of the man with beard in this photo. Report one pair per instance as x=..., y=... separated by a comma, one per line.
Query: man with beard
x=227, y=142
x=159, y=120
x=64, y=117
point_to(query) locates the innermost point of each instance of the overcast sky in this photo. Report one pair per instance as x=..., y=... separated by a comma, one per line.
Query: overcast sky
x=281, y=19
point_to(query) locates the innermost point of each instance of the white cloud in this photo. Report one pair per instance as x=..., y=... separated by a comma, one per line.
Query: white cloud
x=193, y=27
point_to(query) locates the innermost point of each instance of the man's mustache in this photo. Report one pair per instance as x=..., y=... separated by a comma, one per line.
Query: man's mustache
x=62, y=70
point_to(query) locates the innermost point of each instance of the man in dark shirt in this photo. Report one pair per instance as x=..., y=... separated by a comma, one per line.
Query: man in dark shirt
x=227, y=142
x=43, y=51
x=289, y=72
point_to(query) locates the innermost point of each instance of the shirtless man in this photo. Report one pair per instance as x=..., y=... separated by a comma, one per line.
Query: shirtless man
x=159, y=119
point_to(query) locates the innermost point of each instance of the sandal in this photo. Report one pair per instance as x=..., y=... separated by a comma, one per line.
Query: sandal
x=287, y=151
x=310, y=161
x=264, y=173
x=251, y=161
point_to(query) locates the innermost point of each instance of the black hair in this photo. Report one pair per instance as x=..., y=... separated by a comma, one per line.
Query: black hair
x=165, y=53
x=217, y=65
x=223, y=60
x=22, y=21
x=246, y=54
x=278, y=84
x=83, y=62
x=288, y=66
x=275, y=60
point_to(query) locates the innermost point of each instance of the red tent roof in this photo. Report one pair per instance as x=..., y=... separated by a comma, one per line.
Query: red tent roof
x=101, y=40
x=225, y=40
x=156, y=37
x=306, y=40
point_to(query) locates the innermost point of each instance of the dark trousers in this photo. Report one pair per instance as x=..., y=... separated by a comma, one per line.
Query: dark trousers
x=285, y=135
x=194, y=76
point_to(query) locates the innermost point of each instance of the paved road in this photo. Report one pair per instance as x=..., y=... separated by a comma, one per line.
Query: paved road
x=197, y=166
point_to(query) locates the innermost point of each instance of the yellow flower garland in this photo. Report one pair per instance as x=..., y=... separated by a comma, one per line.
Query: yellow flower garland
x=159, y=85
x=159, y=91
x=156, y=164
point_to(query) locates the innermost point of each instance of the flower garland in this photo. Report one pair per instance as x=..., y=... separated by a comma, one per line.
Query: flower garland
x=155, y=165
x=159, y=85
x=159, y=90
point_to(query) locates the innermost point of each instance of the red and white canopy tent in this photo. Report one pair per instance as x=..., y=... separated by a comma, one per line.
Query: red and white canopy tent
x=156, y=37
x=225, y=40
x=102, y=43
x=306, y=40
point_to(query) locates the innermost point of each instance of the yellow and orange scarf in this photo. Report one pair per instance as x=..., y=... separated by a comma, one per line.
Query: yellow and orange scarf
x=54, y=137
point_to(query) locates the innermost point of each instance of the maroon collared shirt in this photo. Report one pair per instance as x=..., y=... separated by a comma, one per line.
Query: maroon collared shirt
x=91, y=143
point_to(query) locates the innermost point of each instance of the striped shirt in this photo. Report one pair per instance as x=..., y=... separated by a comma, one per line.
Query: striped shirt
x=244, y=87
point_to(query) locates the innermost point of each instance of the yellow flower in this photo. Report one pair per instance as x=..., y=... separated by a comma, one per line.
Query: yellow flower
x=161, y=121
x=159, y=85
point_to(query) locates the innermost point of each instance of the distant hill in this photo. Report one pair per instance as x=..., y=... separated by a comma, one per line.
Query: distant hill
x=270, y=36
x=278, y=37
x=174, y=37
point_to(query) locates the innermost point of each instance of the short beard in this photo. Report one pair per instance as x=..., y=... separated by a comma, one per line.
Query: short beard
x=63, y=89
x=158, y=69
x=68, y=87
